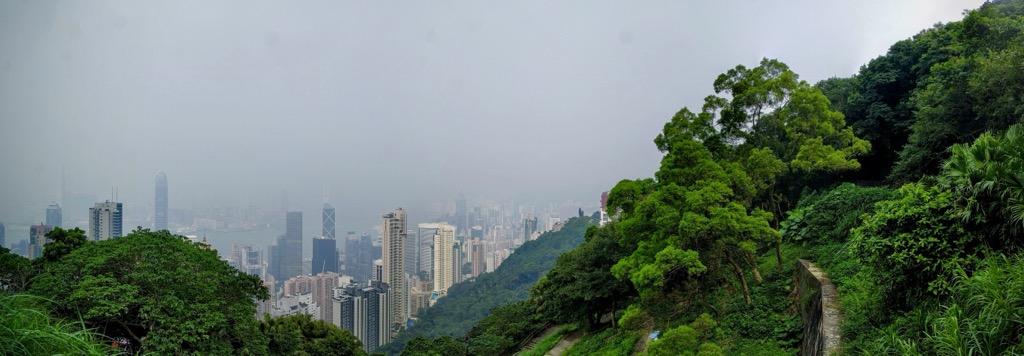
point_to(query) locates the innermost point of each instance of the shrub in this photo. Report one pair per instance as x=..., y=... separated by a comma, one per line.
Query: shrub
x=913, y=245
x=828, y=217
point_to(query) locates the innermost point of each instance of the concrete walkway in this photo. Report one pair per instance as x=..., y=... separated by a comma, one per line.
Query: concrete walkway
x=564, y=344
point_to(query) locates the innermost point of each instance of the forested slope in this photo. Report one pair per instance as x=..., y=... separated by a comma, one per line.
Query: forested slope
x=905, y=182
x=471, y=301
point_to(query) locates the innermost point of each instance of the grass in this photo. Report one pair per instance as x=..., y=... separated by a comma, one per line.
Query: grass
x=549, y=341
x=26, y=329
x=609, y=342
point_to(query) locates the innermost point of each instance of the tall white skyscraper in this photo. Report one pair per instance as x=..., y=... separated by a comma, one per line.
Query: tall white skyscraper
x=105, y=221
x=444, y=276
x=393, y=236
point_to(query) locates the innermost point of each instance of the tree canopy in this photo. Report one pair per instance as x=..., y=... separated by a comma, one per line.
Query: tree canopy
x=158, y=291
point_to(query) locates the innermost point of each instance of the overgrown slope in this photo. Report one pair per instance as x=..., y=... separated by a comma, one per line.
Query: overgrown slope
x=468, y=302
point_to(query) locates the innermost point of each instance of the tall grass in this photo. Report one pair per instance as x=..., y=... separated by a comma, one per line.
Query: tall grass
x=986, y=316
x=27, y=329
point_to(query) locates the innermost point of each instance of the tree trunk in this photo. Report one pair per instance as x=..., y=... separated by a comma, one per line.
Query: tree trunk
x=778, y=252
x=753, y=267
x=743, y=280
x=778, y=215
x=613, y=313
x=138, y=340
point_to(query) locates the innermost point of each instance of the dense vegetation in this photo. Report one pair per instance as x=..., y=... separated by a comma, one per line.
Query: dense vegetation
x=904, y=182
x=471, y=301
x=153, y=292
x=27, y=329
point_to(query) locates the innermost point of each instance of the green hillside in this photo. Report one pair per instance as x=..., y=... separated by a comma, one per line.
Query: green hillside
x=471, y=301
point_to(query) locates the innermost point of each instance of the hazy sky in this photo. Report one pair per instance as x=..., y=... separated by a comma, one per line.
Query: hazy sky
x=389, y=103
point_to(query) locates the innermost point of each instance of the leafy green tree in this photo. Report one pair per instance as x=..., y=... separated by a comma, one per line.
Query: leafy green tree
x=159, y=291
x=689, y=224
x=780, y=130
x=301, y=335
x=689, y=339
x=828, y=217
x=441, y=346
x=16, y=272
x=915, y=244
x=62, y=242
x=942, y=119
x=581, y=287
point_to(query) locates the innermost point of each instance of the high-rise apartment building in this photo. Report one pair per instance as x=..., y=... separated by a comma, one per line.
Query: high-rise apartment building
x=160, y=203
x=105, y=221
x=378, y=270
x=444, y=259
x=458, y=259
x=37, y=239
x=323, y=291
x=364, y=311
x=477, y=255
x=394, y=230
x=53, y=215
x=248, y=259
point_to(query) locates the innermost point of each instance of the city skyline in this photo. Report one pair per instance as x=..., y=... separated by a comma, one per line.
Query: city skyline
x=295, y=98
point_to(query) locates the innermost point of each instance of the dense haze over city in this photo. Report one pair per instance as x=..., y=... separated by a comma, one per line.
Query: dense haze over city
x=386, y=104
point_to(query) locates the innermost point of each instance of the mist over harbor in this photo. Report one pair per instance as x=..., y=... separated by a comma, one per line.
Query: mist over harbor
x=264, y=106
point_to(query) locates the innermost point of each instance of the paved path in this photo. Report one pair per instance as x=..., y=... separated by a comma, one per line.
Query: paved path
x=564, y=344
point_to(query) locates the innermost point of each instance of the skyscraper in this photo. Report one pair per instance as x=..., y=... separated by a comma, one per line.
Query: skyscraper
x=288, y=254
x=393, y=256
x=328, y=219
x=160, y=206
x=325, y=255
x=53, y=215
x=444, y=261
x=325, y=247
x=105, y=221
x=2, y=233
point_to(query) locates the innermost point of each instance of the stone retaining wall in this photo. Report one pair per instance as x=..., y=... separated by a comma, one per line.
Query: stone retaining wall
x=819, y=308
